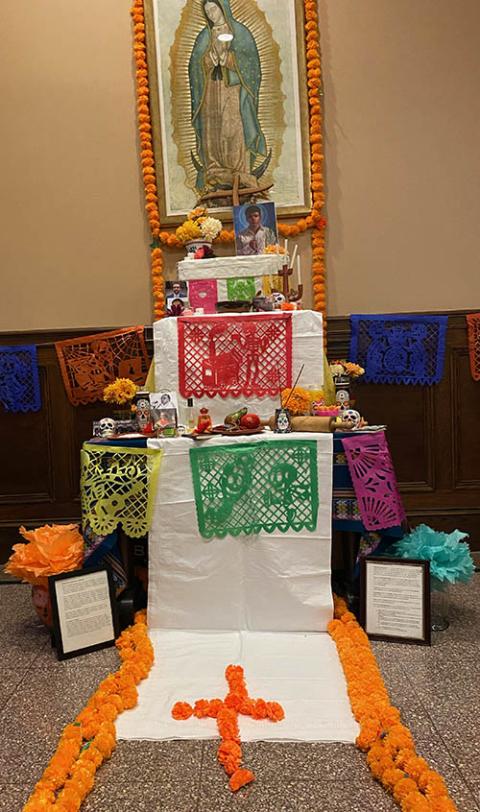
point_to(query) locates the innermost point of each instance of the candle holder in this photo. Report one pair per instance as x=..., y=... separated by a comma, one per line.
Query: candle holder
x=290, y=295
x=296, y=295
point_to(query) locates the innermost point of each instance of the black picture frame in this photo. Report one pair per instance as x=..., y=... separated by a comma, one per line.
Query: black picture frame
x=59, y=618
x=390, y=611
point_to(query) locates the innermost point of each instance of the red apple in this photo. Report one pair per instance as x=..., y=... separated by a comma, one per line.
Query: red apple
x=250, y=421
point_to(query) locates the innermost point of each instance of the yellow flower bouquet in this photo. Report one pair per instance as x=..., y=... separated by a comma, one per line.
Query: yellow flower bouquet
x=346, y=368
x=120, y=392
x=199, y=226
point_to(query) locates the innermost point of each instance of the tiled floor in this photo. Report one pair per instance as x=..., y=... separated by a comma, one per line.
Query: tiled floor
x=437, y=690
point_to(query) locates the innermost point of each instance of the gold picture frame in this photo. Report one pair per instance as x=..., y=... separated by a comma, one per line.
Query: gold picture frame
x=174, y=137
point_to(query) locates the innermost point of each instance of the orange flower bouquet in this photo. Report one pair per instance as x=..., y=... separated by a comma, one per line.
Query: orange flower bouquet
x=298, y=400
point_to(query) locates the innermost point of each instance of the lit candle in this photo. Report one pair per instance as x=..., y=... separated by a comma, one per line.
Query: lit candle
x=298, y=271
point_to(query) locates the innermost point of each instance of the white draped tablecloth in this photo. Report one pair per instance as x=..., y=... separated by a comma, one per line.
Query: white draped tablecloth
x=262, y=601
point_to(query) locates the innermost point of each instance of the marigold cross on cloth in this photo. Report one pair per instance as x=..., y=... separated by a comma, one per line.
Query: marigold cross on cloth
x=226, y=713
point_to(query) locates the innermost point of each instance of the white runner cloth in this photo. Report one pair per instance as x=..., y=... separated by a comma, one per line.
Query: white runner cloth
x=260, y=601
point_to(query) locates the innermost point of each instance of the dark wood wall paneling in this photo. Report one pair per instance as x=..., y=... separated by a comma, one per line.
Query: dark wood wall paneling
x=433, y=434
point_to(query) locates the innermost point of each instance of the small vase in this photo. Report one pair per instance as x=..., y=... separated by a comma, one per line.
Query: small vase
x=42, y=604
x=439, y=605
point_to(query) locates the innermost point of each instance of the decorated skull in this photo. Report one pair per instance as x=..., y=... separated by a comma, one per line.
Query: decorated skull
x=353, y=417
x=107, y=427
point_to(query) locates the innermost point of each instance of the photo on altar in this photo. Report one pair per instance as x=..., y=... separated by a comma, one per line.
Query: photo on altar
x=163, y=399
x=176, y=297
x=164, y=419
x=255, y=227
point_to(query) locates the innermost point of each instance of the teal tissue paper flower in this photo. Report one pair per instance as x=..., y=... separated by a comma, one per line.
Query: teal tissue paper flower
x=449, y=556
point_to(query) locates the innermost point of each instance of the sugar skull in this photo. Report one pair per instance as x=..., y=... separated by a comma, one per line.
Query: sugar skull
x=353, y=417
x=107, y=427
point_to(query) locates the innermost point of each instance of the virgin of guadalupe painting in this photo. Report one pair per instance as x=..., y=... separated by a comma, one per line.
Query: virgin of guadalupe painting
x=225, y=77
x=228, y=98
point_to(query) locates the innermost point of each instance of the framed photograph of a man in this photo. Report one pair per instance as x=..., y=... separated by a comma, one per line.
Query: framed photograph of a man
x=229, y=103
x=255, y=228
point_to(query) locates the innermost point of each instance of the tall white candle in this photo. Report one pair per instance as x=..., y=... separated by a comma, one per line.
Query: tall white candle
x=292, y=264
x=286, y=248
x=298, y=271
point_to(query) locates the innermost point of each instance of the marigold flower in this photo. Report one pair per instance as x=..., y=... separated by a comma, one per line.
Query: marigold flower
x=182, y=710
x=403, y=787
x=275, y=711
x=200, y=709
x=121, y=391
x=259, y=709
x=214, y=707
x=297, y=402
x=240, y=778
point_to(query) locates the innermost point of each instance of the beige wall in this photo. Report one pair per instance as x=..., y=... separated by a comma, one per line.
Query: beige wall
x=402, y=105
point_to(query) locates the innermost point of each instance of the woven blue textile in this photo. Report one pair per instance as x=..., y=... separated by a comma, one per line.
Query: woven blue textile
x=19, y=381
x=399, y=349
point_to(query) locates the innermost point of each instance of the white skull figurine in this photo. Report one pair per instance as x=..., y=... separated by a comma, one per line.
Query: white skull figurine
x=353, y=417
x=107, y=427
x=278, y=298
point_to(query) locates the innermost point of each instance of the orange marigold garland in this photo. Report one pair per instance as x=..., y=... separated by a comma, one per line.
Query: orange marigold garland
x=388, y=743
x=91, y=739
x=146, y=154
x=313, y=221
x=226, y=713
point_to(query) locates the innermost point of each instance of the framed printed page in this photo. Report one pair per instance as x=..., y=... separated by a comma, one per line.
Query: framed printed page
x=228, y=102
x=83, y=611
x=395, y=599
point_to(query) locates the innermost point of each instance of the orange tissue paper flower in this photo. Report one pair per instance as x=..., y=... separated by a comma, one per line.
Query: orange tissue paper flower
x=50, y=549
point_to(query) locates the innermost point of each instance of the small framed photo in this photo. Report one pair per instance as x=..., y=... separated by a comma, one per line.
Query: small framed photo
x=164, y=409
x=395, y=599
x=176, y=298
x=83, y=611
x=164, y=399
x=255, y=227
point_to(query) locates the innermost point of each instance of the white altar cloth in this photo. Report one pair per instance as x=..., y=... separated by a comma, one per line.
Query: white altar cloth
x=230, y=267
x=307, y=350
x=260, y=601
